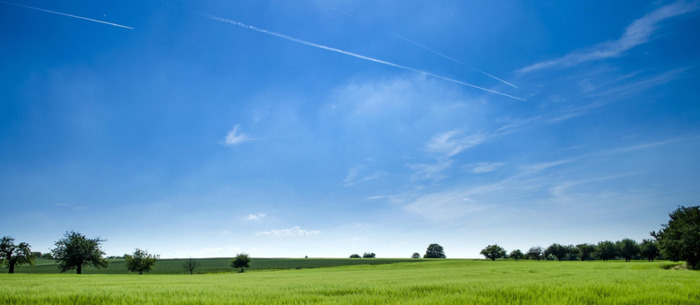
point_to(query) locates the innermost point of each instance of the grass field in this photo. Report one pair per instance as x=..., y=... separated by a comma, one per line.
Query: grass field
x=216, y=265
x=429, y=282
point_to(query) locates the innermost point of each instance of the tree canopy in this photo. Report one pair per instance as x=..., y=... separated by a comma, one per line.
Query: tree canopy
x=627, y=248
x=606, y=250
x=434, y=251
x=679, y=239
x=493, y=252
x=557, y=250
x=649, y=248
x=516, y=254
x=12, y=255
x=75, y=250
x=141, y=261
x=242, y=261
x=535, y=253
x=585, y=251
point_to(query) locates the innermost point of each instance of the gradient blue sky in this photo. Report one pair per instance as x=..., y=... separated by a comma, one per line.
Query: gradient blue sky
x=328, y=127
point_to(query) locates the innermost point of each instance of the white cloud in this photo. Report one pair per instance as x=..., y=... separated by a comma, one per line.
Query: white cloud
x=434, y=171
x=257, y=216
x=353, y=176
x=485, y=167
x=638, y=32
x=294, y=231
x=235, y=137
x=450, y=143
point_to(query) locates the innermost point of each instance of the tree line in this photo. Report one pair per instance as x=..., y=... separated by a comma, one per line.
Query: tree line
x=678, y=240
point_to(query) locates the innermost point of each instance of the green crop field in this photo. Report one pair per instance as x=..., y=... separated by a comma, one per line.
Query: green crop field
x=429, y=282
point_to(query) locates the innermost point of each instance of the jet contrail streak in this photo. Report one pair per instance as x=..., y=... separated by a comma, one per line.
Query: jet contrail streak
x=453, y=59
x=67, y=15
x=304, y=42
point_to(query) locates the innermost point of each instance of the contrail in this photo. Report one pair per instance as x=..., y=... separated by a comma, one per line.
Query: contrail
x=68, y=15
x=453, y=59
x=311, y=44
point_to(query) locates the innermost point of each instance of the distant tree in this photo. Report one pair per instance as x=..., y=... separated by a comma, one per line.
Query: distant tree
x=369, y=255
x=585, y=251
x=242, y=260
x=517, y=254
x=12, y=255
x=557, y=250
x=649, y=249
x=571, y=253
x=190, y=265
x=415, y=255
x=141, y=261
x=627, y=248
x=606, y=250
x=679, y=240
x=493, y=252
x=75, y=250
x=535, y=253
x=355, y=256
x=434, y=251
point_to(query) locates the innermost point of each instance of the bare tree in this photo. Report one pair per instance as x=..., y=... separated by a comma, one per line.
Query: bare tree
x=190, y=265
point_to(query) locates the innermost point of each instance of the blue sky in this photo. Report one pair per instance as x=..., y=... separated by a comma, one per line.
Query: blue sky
x=326, y=128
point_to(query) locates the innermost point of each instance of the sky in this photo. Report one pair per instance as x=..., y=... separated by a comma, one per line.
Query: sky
x=324, y=128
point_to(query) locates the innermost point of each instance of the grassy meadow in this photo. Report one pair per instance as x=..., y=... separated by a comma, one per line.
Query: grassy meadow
x=429, y=282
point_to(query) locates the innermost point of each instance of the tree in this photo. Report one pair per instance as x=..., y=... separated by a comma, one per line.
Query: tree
x=434, y=251
x=415, y=255
x=627, y=248
x=493, y=252
x=557, y=250
x=585, y=251
x=606, y=250
x=649, y=248
x=517, y=254
x=242, y=260
x=535, y=253
x=75, y=250
x=355, y=256
x=12, y=255
x=679, y=240
x=369, y=255
x=141, y=261
x=190, y=265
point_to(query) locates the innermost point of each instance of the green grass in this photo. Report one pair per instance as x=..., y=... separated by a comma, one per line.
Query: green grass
x=216, y=265
x=430, y=282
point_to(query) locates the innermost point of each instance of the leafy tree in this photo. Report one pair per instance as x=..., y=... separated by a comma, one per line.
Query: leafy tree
x=585, y=251
x=355, y=256
x=517, y=254
x=415, y=255
x=242, y=260
x=434, y=251
x=141, y=261
x=75, y=250
x=606, y=250
x=493, y=252
x=535, y=253
x=557, y=250
x=190, y=265
x=649, y=248
x=680, y=238
x=12, y=255
x=369, y=255
x=627, y=248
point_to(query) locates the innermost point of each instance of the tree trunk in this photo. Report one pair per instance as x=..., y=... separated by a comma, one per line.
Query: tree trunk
x=140, y=272
x=12, y=267
x=80, y=269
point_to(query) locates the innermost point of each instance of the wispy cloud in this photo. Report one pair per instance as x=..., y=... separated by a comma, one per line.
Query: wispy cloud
x=354, y=176
x=74, y=207
x=638, y=32
x=293, y=231
x=255, y=217
x=235, y=137
x=452, y=143
x=430, y=171
x=453, y=59
x=485, y=167
x=327, y=48
x=67, y=15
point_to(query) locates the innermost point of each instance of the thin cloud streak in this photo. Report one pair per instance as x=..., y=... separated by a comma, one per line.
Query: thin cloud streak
x=453, y=59
x=67, y=15
x=638, y=32
x=311, y=44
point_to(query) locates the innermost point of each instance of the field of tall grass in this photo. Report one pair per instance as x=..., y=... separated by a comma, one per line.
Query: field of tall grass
x=429, y=282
